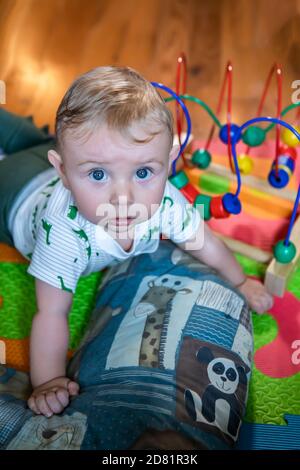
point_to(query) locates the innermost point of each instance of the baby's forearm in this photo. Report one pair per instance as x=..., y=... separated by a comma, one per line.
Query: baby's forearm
x=226, y=264
x=215, y=253
x=48, y=347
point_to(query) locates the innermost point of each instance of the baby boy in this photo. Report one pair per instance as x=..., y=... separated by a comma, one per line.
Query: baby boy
x=107, y=198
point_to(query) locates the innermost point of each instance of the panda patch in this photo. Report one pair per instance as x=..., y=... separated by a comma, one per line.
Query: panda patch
x=220, y=404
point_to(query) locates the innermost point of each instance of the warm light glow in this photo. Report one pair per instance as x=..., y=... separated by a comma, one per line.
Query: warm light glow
x=45, y=78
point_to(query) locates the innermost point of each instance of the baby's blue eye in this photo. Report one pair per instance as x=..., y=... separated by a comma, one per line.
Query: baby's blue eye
x=97, y=175
x=142, y=173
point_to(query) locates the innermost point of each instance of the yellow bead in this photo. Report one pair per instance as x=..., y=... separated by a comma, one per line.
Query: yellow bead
x=289, y=138
x=245, y=164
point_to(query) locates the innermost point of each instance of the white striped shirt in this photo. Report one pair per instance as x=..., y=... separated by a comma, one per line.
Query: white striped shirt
x=62, y=245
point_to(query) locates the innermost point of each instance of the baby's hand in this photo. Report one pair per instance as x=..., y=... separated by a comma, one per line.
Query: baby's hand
x=53, y=396
x=259, y=299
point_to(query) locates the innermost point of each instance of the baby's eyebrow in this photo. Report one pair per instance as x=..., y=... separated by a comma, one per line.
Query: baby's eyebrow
x=91, y=162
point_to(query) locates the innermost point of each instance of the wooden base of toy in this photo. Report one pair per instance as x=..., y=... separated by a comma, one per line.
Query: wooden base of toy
x=277, y=274
x=253, y=182
x=247, y=250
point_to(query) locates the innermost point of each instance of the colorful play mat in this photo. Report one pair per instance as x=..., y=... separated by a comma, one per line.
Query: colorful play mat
x=275, y=384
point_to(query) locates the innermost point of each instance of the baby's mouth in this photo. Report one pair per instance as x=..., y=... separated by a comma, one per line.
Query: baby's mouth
x=122, y=220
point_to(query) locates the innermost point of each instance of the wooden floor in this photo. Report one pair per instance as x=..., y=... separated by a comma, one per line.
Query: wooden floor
x=45, y=44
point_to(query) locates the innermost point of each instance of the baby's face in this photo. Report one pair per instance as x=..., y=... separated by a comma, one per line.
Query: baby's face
x=114, y=180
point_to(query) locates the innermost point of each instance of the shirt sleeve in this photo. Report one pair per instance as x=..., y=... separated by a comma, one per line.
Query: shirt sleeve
x=180, y=220
x=61, y=253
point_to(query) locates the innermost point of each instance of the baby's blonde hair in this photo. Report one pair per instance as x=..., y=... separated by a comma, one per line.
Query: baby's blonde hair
x=115, y=96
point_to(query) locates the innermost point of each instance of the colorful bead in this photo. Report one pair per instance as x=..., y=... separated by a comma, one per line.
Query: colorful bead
x=285, y=160
x=211, y=183
x=284, y=253
x=189, y=192
x=202, y=204
x=281, y=177
x=231, y=203
x=254, y=136
x=245, y=164
x=201, y=158
x=179, y=180
x=289, y=151
x=217, y=209
x=289, y=137
x=235, y=133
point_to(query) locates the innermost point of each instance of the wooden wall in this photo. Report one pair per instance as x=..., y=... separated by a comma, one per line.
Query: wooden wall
x=44, y=44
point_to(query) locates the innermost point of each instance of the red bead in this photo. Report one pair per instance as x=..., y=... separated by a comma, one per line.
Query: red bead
x=217, y=209
x=189, y=192
x=286, y=150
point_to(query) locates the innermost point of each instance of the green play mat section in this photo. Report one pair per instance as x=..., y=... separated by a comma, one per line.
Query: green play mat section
x=269, y=398
x=19, y=306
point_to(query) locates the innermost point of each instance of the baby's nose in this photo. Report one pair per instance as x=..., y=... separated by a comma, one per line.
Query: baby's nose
x=122, y=195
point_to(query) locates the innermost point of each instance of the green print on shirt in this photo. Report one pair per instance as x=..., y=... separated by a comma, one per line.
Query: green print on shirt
x=34, y=217
x=167, y=198
x=53, y=182
x=47, y=227
x=188, y=218
x=62, y=284
x=72, y=212
x=83, y=236
x=47, y=200
x=151, y=231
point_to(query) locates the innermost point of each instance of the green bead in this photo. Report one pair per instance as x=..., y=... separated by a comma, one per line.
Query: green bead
x=284, y=253
x=179, y=180
x=201, y=158
x=203, y=200
x=254, y=136
x=215, y=184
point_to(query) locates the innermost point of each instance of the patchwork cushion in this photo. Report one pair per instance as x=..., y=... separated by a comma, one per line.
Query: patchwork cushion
x=165, y=363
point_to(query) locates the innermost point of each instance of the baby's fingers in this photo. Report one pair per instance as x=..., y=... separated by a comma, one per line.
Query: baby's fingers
x=32, y=405
x=42, y=405
x=262, y=304
x=63, y=397
x=73, y=388
x=55, y=405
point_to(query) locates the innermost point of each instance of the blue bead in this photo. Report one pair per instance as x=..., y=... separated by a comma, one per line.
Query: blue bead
x=279, y=181
x=235, y=133
x=231, y=203
x=286, y=160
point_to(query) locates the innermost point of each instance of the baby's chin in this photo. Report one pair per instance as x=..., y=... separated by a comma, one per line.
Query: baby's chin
x=119, y=232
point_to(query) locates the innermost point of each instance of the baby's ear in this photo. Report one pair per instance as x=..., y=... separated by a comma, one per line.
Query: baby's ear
x=173, y=154
x=56, y=160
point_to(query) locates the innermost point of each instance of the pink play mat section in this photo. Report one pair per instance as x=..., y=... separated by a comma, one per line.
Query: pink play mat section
x=281, y=357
